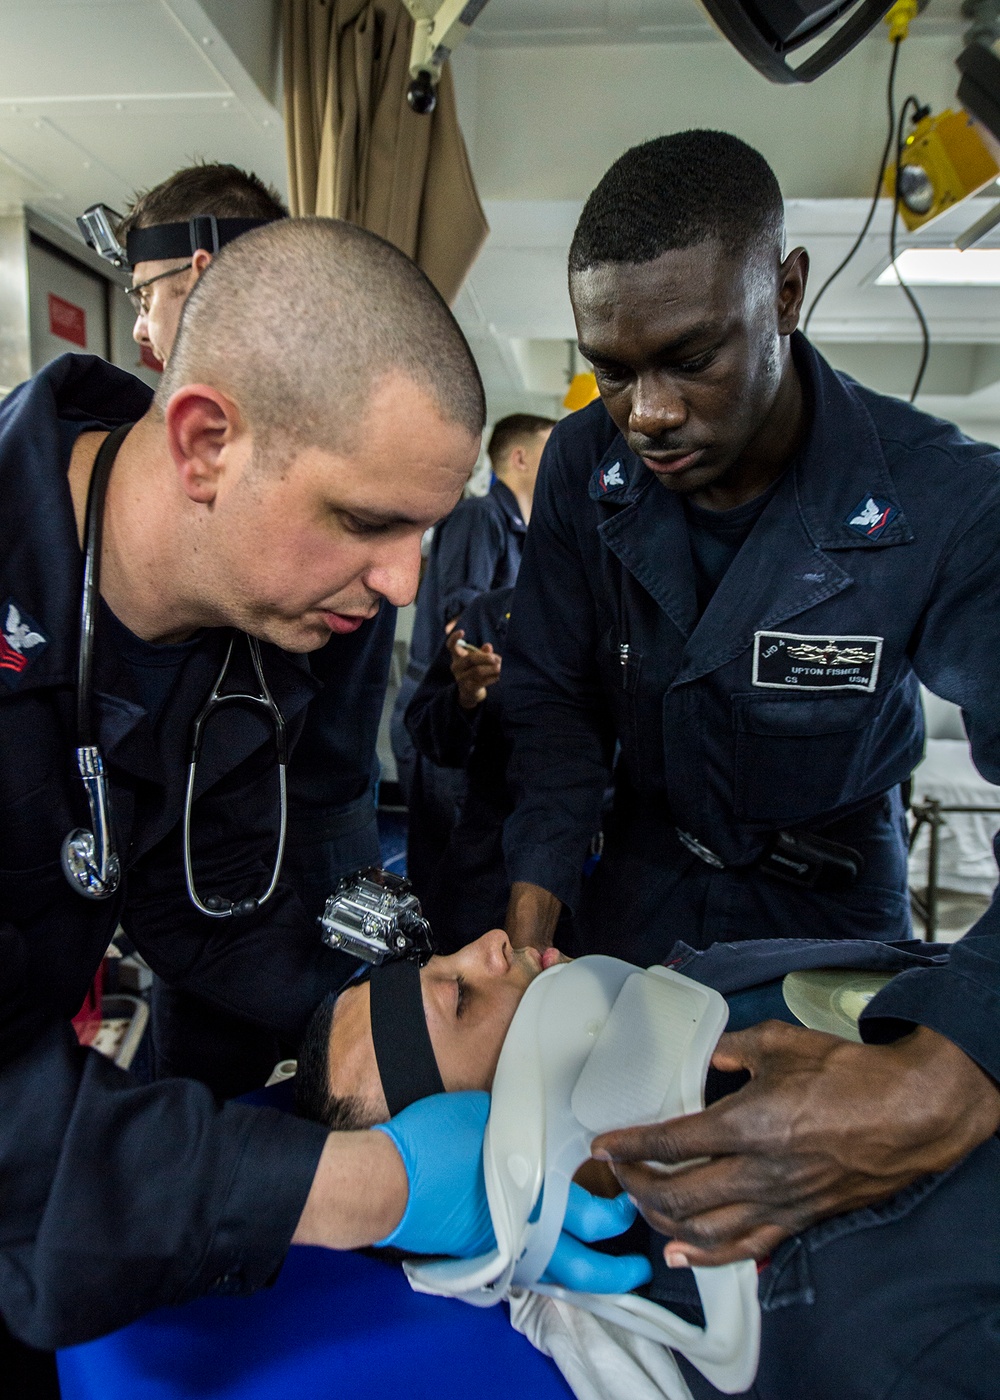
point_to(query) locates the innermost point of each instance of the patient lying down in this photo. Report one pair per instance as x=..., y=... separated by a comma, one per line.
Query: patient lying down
x=858, y=1331
x=353, y=1073
x=406, y=1033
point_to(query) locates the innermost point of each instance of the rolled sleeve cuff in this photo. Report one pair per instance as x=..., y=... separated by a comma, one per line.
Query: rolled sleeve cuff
x=266, y=1197
x=963, y=1010
x=560, y=875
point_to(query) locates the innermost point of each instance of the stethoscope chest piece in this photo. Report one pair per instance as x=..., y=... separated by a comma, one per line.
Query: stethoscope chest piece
x=81, y=867
x=89, y=861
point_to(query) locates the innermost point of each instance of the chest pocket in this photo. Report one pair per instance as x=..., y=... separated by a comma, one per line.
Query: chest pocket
x=800, y=757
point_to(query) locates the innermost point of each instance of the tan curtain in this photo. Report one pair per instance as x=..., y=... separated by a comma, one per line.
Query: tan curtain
x=355, y=149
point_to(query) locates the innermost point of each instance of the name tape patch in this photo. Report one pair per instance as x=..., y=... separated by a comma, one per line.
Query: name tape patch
x=790, y=661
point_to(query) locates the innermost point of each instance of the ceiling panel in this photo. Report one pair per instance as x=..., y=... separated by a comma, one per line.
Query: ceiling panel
x=98, y=50
x=575, y=21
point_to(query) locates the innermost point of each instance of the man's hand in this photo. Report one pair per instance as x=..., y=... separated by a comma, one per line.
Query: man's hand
x=532, y=915
x=474, y=670
x=825, y=1126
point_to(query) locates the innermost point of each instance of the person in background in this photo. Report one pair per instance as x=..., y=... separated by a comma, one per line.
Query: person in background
x=478, y=548
x=454, y=722
x=333, y=772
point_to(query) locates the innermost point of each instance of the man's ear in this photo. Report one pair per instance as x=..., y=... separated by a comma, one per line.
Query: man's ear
x=202, y=428
x=793, y=275
x=201, y=259
x=517, y=460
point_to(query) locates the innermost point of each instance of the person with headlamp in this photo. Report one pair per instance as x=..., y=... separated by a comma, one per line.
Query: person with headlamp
x=166, y=565
x=332, y=825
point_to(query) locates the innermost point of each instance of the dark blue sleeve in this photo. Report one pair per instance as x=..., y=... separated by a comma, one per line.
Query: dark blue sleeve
x=467, y=548
x=957, y=656
x=119, y=1197
x=554, y=710
x=439, y=727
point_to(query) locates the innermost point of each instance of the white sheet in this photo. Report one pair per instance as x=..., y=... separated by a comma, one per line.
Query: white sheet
x=965, y=848
x=599, y=1360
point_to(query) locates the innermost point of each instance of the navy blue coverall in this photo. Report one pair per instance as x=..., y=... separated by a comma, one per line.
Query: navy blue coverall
x=332, y=830
x=117, y=1197
x=469, y=891
x=899, y=1300
x=475, y=549
x=791, y=704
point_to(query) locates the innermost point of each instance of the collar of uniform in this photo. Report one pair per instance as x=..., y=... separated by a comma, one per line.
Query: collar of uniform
x=42, y=569
x=841, y=464
x=620, y=477
x=507, y=502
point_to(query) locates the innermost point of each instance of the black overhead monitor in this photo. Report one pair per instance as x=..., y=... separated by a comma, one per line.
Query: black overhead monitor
x=766, y=32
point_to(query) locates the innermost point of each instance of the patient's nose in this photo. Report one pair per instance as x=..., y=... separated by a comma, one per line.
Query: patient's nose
x=494, y=952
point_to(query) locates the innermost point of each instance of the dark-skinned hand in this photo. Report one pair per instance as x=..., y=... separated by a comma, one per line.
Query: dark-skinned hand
x=474, y=671
x=824, y=1126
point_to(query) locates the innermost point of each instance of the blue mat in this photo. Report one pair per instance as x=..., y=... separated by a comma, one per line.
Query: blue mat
x=342, y=1326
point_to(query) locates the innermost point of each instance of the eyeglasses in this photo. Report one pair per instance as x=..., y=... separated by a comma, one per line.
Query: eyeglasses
x=140, y=303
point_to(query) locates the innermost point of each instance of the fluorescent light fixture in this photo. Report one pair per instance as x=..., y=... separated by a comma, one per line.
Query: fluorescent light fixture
x=944, y=267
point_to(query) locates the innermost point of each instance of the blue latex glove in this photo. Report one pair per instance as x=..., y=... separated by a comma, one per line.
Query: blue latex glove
x=593, y=1218
x=440, y=1140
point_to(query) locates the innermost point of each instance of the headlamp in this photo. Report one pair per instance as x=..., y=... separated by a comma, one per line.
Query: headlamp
x=375, y=916
x=161, y=241
x=98, y=224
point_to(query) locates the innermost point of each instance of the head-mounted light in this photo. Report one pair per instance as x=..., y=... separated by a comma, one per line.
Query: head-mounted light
x=98, y=224
x=375, y=916
x=161, y=241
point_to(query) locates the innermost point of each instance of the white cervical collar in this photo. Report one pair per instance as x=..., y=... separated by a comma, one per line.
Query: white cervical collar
x=597, y=1044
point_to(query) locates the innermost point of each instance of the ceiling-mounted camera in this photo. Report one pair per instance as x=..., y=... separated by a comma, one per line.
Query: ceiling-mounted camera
x=422, y=94
x=439, y=26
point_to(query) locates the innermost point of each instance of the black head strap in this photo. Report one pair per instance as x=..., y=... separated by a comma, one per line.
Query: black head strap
x=403, y=1049
x=182, y=240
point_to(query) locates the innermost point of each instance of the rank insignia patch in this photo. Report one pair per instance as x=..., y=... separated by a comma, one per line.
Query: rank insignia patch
x=21, y=642
x=789, y=661
x=870, y=517
x=609, y=478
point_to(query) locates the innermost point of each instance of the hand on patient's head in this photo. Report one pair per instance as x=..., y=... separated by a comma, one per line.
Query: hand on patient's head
x=467, y=1002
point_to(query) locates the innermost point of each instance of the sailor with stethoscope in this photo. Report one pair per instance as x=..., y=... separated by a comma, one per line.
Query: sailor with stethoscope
x=163, y=568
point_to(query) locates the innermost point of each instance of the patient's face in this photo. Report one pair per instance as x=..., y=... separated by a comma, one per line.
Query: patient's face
x=469, y=1000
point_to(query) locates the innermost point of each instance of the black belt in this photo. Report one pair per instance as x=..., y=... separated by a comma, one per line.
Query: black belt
x=801, y=857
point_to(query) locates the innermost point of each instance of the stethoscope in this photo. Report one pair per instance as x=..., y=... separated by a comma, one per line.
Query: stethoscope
x=89, y=858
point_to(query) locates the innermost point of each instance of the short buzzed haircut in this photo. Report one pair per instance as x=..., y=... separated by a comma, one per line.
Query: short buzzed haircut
x=516, y=430
x=299, y=320
x=675, y=192
x=208, y=187
x=313, y=1098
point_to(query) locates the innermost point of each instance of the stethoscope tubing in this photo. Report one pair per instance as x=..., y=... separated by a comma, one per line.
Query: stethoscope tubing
x=219, y=908
x=89, y=859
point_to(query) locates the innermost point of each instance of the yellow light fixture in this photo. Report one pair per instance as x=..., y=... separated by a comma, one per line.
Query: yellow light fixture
x=582, y=391
x=944, y=161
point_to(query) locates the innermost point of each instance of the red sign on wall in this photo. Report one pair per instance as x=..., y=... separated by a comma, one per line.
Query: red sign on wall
x=67, y=321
